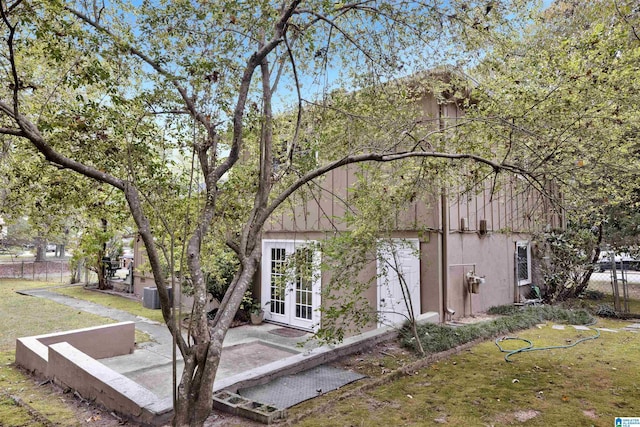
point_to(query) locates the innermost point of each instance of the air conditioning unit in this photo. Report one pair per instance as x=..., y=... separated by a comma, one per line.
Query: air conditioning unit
x=151, y=299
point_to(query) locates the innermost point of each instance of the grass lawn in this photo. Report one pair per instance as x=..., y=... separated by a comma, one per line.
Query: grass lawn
x=585, y=385
x=20, y=255
x=23, y=316
x=15, y=255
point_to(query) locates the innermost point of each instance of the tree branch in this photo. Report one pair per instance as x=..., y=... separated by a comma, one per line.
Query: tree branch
x=12, y=58
x=31, y=133
x=292, y=145
x=346, y=35
x=10, y=131
x=245, y=83
x=624, y=18
x=188, y=100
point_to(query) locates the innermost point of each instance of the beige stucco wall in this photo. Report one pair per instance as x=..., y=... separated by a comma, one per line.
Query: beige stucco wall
x=493, y=255
x=509, y=216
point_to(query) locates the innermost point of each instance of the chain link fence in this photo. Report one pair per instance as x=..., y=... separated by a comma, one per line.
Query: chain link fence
x=49, y=271
x=620, y=279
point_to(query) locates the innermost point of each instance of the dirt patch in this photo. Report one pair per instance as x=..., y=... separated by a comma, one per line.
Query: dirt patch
x=377, y=404
x=87, y=413
x=520, y=416
x=591, y=413
x=220, y=419
x=527, y=415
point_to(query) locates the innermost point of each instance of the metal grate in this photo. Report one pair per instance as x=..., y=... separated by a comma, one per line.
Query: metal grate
x=285, y=392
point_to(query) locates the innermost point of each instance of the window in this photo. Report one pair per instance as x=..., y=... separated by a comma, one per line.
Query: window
x=523, y=263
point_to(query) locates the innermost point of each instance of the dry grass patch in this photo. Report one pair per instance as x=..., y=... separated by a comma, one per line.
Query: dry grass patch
x=24, y=403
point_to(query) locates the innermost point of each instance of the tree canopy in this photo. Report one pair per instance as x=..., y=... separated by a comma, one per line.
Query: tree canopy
x=202, y=114
x=562, y=101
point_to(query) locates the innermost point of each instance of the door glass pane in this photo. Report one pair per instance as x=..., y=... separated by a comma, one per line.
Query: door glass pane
x=278, y=280
x=304, y=292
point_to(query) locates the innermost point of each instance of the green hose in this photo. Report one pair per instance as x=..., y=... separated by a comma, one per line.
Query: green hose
x=530, y=347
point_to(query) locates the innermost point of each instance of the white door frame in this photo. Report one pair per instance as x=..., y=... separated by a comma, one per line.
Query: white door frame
x=293, y=308
x=390, y=303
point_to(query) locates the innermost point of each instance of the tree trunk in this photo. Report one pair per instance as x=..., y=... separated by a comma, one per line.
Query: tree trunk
x=76, y=271
x=594, y=259
x=102, y=266
x=101, y=270
x=41, y=249
x=62, y=246
x=614, y=284
x=195, y=392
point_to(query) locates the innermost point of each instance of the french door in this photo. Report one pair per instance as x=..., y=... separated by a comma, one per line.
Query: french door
x=291, y=283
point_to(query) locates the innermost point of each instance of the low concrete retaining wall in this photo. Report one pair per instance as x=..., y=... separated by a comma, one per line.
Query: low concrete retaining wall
x=98, y=342
x=69, y=359
x=72, y=368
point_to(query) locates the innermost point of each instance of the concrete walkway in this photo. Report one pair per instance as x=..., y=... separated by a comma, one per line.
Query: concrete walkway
x=159, y=332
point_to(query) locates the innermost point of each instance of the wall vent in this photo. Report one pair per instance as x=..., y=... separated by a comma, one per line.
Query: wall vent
x=483, y=226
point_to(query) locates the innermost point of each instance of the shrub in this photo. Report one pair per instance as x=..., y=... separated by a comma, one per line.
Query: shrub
x=593, y=294
x=436, y=338
x=606, y=310
x=503, y=310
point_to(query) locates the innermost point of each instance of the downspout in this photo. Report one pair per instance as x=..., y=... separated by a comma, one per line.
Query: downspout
x=444, y=258
x=516, y=288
